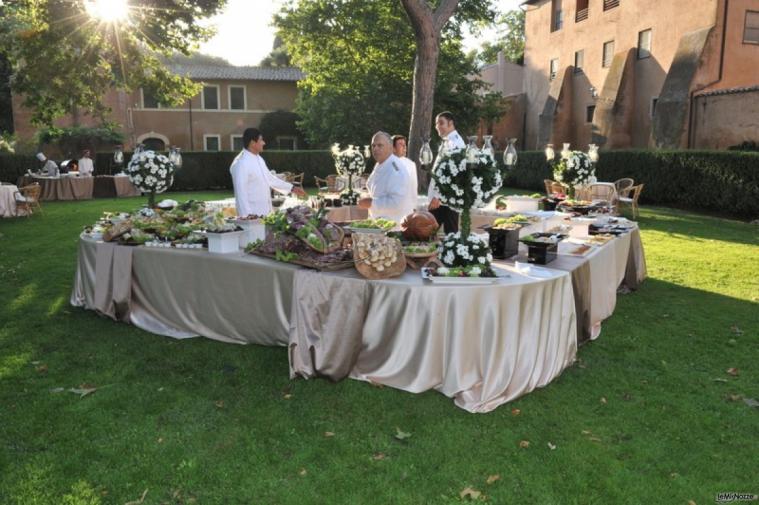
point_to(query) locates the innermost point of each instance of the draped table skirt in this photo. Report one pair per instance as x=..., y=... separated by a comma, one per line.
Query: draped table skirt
x=482, y=345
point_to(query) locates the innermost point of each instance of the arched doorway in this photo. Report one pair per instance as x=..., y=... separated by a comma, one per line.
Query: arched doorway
x=153, y=141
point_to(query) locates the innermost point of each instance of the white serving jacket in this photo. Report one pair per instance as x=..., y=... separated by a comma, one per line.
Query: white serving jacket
x=253, y=183
x=85, y=167
x=390, y=189
x=413, y=180
x=452, y=141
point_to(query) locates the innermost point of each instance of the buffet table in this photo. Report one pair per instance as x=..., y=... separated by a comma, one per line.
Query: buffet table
x=483, y=345
x=61, y=188
x=114, y=186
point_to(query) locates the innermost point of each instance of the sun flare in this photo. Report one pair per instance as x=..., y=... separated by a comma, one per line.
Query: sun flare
x=109, y=11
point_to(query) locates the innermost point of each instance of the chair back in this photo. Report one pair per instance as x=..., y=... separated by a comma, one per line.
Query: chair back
x=637, y=190
x=332, y=183
x=31, y=192
x=605, y=192
x=557, y=187
x=548, y=183
x=624, y=185
x=297, y=179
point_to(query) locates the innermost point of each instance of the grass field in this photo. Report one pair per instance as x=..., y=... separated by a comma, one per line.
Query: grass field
x=657, y=410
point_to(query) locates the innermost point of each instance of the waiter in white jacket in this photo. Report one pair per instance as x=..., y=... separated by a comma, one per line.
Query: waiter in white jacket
x=446, y=216
x=389, y=184
x=252, y=180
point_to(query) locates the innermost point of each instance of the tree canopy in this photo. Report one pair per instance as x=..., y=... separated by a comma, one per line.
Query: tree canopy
x=61, y=57
x=358, y=57
x=510, y=39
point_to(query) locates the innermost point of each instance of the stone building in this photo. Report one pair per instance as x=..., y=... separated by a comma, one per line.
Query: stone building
x=232, y=99
x=642, y=73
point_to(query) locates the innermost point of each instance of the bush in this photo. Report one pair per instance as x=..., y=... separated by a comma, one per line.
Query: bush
x=725, y=182
x=13, y=166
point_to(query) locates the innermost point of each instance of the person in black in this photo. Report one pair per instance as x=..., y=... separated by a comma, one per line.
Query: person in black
x=446, y=216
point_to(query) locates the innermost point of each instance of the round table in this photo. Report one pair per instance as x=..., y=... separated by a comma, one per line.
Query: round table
x=8, y=200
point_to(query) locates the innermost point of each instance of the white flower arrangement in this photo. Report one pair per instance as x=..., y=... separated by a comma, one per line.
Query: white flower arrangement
x=462, y=185
x=150, y=172
x=458, y=251
x=349, y=161
x=577, y=169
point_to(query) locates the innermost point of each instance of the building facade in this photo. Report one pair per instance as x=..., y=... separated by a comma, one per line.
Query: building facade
x=643, y=73
x=506, y=78
x=232, y=99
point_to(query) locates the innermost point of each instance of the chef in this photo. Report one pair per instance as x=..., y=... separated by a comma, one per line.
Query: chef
x=252, y=180
x=400, y=149
x=389, y=184
x=446, y=128
x=50, y=168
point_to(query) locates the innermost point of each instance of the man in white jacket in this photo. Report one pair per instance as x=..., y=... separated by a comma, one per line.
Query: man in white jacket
x=252, y=180
x=388, y=184
x=400, y=149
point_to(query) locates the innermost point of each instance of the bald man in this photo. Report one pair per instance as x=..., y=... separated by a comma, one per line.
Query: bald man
x=389, y=184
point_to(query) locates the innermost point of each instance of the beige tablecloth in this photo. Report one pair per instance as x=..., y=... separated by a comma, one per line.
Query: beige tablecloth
x=62, y=188
x=347, y=213
x=8, y=200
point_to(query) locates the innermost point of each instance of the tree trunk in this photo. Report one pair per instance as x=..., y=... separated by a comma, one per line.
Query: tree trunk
x=427, y=25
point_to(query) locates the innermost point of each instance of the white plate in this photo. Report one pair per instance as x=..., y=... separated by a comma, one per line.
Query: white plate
x=366, y=230
x=456, y=280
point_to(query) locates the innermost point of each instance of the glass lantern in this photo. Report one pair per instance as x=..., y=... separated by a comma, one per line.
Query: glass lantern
x=565, y=151
x=550, y=153
x=425, y=153
x=367, y=152
x=510, y=154
x=593, y=152
x=175, y=157
x=472, y=150
x=118, y=155
x=487, y=148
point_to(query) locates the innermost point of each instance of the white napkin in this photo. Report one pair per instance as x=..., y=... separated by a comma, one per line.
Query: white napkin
x=533, y=271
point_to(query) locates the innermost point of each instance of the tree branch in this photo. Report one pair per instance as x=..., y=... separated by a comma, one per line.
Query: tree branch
x=443, y=13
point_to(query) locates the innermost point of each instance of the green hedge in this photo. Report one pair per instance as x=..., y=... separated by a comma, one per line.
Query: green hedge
x=725, y=182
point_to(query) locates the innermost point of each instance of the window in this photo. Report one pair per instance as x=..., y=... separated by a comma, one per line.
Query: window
x=751, y=28
x=236, y=142
x=210, y=97
x=589, y=111
x=557, y=15
x=149, y=101
x=654, y=101
x=579, y=60
x=237, y=97
x=610, y=4
x=608, y=54
x=644, y=44
x=287, y=143
x=581, y=13
x=212, y=142
x=553, y=69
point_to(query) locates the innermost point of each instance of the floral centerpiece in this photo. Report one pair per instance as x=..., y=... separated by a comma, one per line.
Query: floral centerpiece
x=348, y=162
x=151, y=173
x=466, y=179
x=575, y=169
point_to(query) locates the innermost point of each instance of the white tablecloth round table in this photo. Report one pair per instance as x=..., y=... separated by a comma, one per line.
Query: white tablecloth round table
x=8, y=200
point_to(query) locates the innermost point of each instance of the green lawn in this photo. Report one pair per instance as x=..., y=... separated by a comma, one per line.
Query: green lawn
x=649, y=414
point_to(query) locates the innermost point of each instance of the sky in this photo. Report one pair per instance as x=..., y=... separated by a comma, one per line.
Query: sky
x=253, y=20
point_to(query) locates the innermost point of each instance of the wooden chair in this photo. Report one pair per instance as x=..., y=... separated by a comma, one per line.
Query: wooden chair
x=297, y=179
x=632, y=201
x=327, y=185
x=624, y=186
x=557, y=187
x=548, y=183
x=28, y=198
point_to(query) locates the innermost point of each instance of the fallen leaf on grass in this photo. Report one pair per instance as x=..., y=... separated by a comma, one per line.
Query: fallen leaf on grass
x=376, y=384
x=401, y=435
x=524, y=444
x=551, y=446
x=719, y=380
x=594, y=439
x=515, y=412
x=493, y=478
x=691, y=502
x=302, y=472
x=603, y=400
x=287, y=396
x=82, y=391
x=734, y=398
x=734, y=328
x=587, y=432
x=732, y=371
x=57, y=390
x=751, y=402
x=470, y=493
x=219, y=404
x=160, y=440
x=140, y=501
x=41, y=368
x=378, y=456
x=329, y=434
